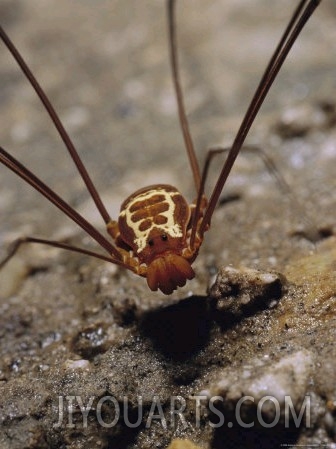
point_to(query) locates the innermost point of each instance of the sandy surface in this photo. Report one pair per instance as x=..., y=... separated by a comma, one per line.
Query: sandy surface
x=71, y=326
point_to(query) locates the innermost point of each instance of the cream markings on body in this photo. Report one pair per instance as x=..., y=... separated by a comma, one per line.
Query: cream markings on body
x=170, y=226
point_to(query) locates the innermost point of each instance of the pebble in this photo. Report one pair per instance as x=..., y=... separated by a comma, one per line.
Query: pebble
x=238, y=290
x=288, y=377
x=180, y=443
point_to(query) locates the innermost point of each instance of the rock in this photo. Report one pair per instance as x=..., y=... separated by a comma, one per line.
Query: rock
x=179, y=443
x=272, y=388
x=240, y=291
x=299, y=120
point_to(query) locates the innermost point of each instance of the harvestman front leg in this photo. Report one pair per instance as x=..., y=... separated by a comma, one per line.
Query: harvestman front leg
x=267, y=160
x=16, y=244
x=201, y=201
x=115, y=254
x=313, y=234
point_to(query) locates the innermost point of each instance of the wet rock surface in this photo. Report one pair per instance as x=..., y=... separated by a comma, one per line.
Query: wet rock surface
x=90, y=358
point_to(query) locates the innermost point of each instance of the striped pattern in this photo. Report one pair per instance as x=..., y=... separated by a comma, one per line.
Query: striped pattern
x=157, y=207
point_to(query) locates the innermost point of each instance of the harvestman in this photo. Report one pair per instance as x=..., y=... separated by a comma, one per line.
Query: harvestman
x=157, y=234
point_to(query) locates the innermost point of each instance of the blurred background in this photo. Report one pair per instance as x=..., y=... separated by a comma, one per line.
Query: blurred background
x=104, y=66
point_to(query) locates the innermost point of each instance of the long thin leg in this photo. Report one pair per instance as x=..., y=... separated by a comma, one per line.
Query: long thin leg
x=14, y=165
x=282, y=41
x=211, y=153
x=268, y=161
x=293, y=30
x=179, y=95
x=274, y=172
x=58, y=124
x=197, y=212
x=14, y=247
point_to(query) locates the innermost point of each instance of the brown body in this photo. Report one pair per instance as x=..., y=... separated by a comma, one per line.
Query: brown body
x=154, y=228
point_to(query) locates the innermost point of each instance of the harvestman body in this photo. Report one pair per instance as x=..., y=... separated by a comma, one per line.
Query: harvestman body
x=158, y=234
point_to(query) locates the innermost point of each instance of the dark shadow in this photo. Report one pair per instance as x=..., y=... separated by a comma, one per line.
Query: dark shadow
x=180, y=330
x=229, y=198
x=234, y=432
x=124, y=438
x=255, y=438
x=238, y=437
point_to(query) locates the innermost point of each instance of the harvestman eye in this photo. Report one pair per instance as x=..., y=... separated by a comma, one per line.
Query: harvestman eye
x=157, y=211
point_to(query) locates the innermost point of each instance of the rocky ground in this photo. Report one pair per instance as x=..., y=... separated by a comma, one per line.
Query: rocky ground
x=85, y=346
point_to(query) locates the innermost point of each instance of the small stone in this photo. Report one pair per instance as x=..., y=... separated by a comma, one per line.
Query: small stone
x=179, y=443
x=237, y=291
x=90, y=341
x=11, y=276
x=299, y=120
x=287, y=378
x=77, y=364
